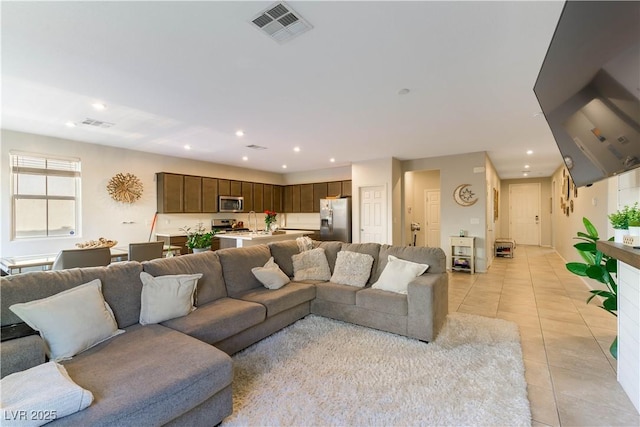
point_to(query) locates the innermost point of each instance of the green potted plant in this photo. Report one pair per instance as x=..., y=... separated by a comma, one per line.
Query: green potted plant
x=620, y=220
x=600, y=267
x=199, y=239
x=634, y=220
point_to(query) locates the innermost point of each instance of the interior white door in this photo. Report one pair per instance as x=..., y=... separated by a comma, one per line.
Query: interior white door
x=524, y=213
x=373, y=208
x=432, y=218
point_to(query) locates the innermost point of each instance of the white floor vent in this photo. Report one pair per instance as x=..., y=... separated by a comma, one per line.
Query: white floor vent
x=281, y=23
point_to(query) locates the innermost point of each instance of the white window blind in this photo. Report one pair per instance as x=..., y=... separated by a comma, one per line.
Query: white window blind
x=45, y=196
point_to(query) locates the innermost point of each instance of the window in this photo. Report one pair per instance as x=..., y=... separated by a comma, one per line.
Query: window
x=45, y=196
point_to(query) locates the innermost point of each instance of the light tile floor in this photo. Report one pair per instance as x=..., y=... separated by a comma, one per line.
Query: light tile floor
x=565, y=343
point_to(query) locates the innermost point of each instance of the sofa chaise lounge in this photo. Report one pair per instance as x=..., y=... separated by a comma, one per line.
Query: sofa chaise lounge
x=179, y=372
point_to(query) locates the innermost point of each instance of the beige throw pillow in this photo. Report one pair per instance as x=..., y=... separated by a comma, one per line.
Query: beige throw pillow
x=71, y=321
x=270, y=275
x=352, y=268
x=311, y=265
x=397, y=274
x=167, y=297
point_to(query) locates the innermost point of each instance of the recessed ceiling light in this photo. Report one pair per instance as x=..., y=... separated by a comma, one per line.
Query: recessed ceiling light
x=403, y=91
x=187, y=147
x=332, y=160
x=239, y=133
x=99, y=106
x=245, y=158
x=525, y=174
x=296, y=149
x=527, y=166
x=284, y=166
x=529, y=152
x=71, y=124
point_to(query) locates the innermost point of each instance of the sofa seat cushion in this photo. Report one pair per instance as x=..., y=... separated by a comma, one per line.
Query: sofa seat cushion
x=279, y=300
x=147, y=376
x=335, y=292
x=219, y=319
x=383, y=301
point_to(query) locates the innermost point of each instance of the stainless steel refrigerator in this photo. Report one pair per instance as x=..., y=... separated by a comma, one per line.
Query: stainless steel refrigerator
x=335, y=219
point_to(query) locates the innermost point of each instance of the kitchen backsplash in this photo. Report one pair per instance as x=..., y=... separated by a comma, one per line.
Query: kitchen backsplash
x=172, y=223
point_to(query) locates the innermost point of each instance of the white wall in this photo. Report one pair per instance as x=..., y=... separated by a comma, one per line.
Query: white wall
x=341, y=173
x=456, y=170
x=102, y=216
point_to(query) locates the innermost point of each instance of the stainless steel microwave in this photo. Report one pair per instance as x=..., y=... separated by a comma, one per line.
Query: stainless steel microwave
x=231, y=204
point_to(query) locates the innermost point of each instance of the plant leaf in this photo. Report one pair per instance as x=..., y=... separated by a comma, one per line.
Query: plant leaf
x=612, y=265
x=587, y=236
x=590, y=228
x=587, y=247
x=577, y=268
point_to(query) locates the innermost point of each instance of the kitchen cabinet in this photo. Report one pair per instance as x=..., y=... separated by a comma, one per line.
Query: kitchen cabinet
x=247, y=193
x=192, y=194
x=209, y=195
x=306, y=198
x=236, y=188
x=334, y=188
x=267, y=198
x=295, y=198
x=319, y=192
x=346, y=188
x=278, y=198
x=224, y=187
x=287, y=198
x=258, y=197
x=170, y=193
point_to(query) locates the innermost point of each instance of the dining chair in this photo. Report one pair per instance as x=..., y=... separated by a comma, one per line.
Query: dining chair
x=145, y=251
x=71, y=258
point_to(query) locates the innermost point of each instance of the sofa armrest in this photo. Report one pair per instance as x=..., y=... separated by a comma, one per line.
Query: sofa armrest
x=428, y=300
x=21, y=354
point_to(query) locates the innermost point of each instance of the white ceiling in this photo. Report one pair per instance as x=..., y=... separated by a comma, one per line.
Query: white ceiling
x=176, y=73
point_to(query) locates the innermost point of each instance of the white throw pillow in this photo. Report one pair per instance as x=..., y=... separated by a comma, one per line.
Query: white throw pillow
x=270, y=275
x=311, y=265
x=352, y=268
x=71, y=321
x=166, y=297
x=397, y=274
x=40, y=395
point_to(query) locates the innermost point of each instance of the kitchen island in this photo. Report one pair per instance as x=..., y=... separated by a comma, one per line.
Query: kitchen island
x=240, y=240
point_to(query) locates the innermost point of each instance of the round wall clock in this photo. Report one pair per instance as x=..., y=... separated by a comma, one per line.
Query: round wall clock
x=125, y=188
x=464, y=196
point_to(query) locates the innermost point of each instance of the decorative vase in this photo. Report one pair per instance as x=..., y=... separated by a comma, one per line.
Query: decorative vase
x=197, y=250
x=267, y=225
x=619, y=234
x=634, y=230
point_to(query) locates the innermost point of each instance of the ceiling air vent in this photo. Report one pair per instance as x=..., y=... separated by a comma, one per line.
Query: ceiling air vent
x=97, y=123
x=281, y=23
x=256, y=147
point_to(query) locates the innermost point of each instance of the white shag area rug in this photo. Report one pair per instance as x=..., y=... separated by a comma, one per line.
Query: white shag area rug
x=323, y=372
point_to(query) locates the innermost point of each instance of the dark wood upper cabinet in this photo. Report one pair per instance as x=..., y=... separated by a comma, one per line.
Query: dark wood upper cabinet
x=258, y=197
x=247, y=193
x=235, y=188
x=170, y=192
x=192, y=194
x=306, y=198
x=295, y=198
x=287, y=198
x=209, y=195
x=346, y=188
x=334, y=188
x=278, y=198
x=267, y=198
x=224, y=187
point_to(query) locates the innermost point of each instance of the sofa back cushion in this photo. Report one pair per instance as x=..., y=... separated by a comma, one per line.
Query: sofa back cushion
x=121, y=287
x=434, y=257
x=210, y=286
x=282, y=252
x=372, y=249
x=237, y=264
x=331, y=250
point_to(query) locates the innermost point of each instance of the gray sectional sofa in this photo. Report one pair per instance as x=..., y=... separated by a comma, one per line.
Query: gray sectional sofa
x=179, y=372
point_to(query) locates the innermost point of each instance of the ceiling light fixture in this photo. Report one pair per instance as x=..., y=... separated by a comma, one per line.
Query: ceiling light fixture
x=404, y=91
x=284, y=166
x=245, y=158
x=71, y=124
x=525, y=174
x=99, y=106
x=296, y=149
x=240, y=133
x=529, y=152
x=187, y=147
x=527, y=166
x=332, y=160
